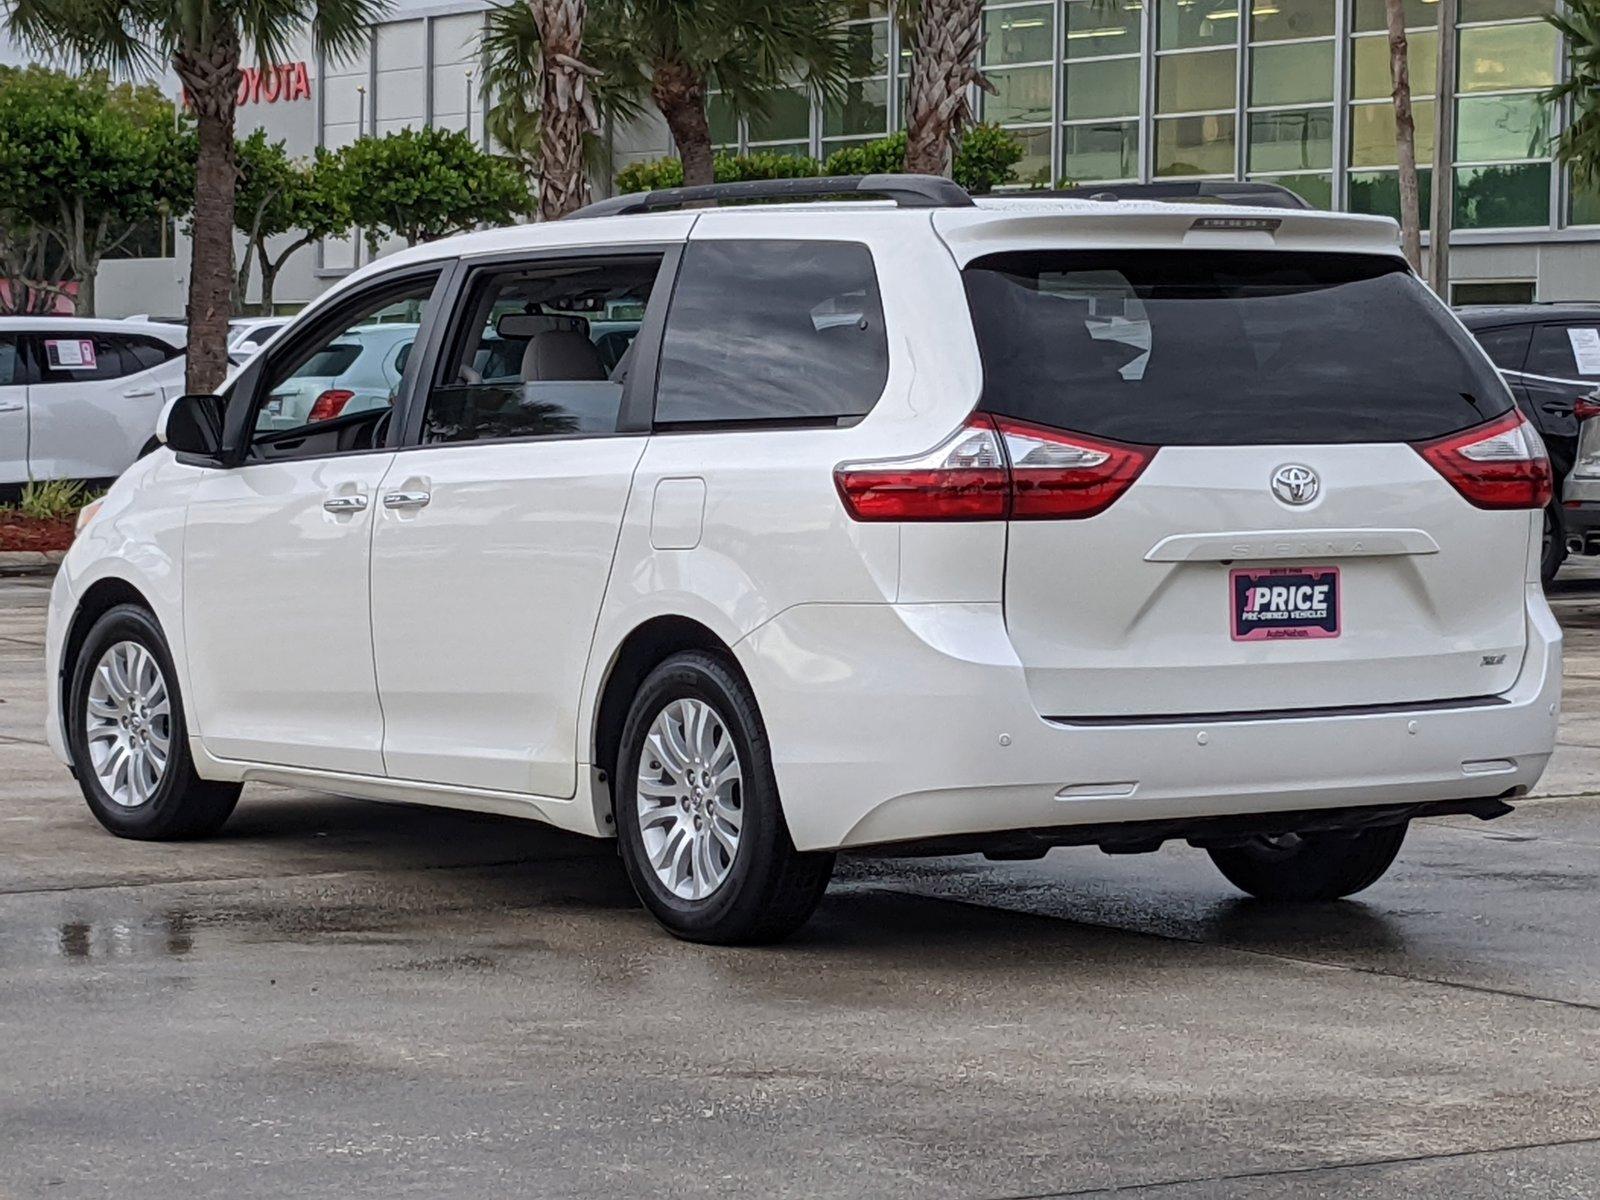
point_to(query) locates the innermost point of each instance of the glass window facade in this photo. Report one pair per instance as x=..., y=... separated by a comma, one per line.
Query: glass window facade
x=1296, y=92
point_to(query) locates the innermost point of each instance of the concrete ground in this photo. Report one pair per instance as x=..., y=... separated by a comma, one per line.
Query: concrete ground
x=357, y=1000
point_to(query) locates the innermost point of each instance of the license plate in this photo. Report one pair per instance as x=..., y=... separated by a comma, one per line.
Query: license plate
x=1284, y=602
x=273, y=407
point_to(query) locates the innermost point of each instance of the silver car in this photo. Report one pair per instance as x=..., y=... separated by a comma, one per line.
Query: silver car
x=357, y=372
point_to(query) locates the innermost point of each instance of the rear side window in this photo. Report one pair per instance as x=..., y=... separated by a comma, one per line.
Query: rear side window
x=71, y=357
x=148, y=353
x=1565, y=351
x=10, y=362
x=1506, y=347
x=772, y=331
x=1224, y=348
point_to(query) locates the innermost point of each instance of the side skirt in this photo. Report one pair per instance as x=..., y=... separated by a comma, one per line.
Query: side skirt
x=574, y=813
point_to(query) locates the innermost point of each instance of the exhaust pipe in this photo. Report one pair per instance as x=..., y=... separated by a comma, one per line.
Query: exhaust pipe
x=1574, y=544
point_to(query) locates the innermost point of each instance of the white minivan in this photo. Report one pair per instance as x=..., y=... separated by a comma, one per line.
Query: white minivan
x=79, y=397
x=925, y=525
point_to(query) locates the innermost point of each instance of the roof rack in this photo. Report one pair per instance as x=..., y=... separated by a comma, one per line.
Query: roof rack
x=907, y=191
x=1220, y=191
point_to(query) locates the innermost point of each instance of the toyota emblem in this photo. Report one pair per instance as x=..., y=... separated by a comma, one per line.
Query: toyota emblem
x=1295, y=484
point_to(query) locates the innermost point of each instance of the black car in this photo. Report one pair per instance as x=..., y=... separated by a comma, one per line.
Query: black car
x=1550, y=355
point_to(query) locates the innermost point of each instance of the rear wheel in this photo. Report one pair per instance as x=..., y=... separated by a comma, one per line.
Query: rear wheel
x=129, y=743
x=699, y=825
x=1310, y=866
x=1553, y=552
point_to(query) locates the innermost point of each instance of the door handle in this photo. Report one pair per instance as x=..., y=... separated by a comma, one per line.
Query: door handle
x=138, y=393
x=10, y=408
x=344, y=504
x=407, y=499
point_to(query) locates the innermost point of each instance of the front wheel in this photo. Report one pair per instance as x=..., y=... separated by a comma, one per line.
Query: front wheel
x=1310, y=866
x=129, y=742
x=699, y=824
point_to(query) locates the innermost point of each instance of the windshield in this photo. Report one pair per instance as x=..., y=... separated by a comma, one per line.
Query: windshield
x=1224, y=347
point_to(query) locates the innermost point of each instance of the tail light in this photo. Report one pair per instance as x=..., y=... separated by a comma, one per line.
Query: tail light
x=329, y=405
x=1065, y=475
x=1500, y=464
x=994, y=470
x=1585, y=407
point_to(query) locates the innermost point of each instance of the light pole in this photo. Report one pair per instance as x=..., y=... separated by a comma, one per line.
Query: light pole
x=469, y=104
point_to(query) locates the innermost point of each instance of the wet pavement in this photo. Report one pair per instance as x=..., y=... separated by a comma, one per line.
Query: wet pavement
x=335, y=998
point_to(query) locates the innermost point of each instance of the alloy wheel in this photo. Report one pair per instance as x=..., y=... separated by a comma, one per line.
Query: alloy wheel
x=690, y=799
x=128, y=724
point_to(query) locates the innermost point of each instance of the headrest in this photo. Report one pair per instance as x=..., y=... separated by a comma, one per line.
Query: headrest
x=561, y=354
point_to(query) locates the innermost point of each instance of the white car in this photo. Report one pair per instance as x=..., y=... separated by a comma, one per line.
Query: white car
x=935, y=526
x=79, y=398
x=356, y=373
x=246, y=335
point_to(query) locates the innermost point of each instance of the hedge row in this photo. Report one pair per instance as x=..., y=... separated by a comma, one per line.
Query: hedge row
x=986, y=158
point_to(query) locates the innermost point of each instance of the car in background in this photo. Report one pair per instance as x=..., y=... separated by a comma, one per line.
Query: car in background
x=358, y=371
x=246, y=335
x=79, y=398
x=1550, y=357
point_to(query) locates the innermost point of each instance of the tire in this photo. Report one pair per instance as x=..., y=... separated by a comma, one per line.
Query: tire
x=1310, y=867
x=148, y=795
x=1553, y=552
x=764, y=889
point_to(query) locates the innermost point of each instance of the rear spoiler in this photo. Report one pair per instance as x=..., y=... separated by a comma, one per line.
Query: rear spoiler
x=1068, y=223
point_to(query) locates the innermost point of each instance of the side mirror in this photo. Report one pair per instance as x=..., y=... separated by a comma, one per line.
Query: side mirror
x=192, y=428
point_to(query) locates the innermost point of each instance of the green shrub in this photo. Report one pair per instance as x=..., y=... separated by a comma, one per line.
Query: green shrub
x=886, y=156
x=649, y=176
x=52, y=499
x=986, y=159
x=727, y=168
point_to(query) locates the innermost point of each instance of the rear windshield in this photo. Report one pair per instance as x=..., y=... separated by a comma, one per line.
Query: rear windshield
x=331, y=360
x=1224, y=348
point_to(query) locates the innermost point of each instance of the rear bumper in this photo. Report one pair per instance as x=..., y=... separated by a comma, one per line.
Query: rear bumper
x=906, y=723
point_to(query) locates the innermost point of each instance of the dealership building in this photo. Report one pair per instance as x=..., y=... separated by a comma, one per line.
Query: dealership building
x=1292, y=91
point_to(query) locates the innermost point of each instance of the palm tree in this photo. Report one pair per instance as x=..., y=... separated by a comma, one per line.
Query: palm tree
x=566, y=105
x=205, y=43
x=1405, y=133
x=947, y=36
x=676, y=52
x=512, y=77
x=1578, y=146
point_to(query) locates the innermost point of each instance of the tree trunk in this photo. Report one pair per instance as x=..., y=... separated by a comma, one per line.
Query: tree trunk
x=566, y=107
x=83, y=302
x=944, y=65
x=1405, y=136
x=241, y=279
x=212, y=81
x=680, y=93
x=269, y=277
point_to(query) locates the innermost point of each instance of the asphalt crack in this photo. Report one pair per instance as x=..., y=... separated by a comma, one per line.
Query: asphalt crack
x=1320, y=1169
